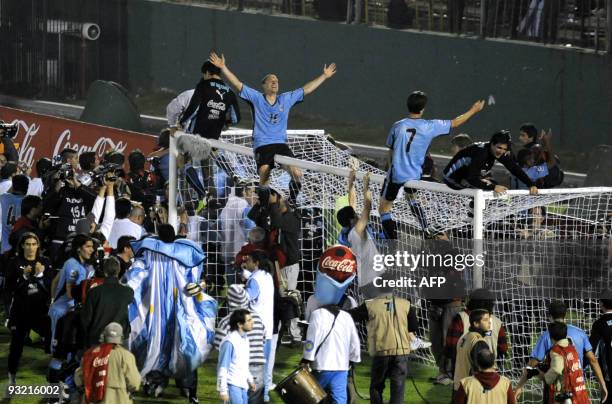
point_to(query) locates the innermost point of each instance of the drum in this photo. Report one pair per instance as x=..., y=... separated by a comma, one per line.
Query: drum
x=301, y=387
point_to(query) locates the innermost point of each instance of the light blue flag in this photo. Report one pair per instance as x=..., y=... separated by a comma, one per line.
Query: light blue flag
x=171, y=331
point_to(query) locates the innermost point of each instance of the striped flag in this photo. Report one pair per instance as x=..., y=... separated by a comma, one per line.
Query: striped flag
x=171, y=331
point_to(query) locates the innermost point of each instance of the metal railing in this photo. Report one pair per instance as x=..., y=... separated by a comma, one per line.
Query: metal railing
x=571, y=23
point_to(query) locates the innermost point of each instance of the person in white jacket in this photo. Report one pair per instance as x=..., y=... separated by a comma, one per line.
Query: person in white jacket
x=233, y=375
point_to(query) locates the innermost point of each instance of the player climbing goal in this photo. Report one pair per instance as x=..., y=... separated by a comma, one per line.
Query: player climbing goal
x=554, y=245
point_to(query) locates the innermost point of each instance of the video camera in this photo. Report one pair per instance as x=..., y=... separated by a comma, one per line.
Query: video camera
x=8, y=130
x=99, y=174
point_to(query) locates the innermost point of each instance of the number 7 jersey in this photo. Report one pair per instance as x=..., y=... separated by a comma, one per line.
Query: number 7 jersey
x=409, y=140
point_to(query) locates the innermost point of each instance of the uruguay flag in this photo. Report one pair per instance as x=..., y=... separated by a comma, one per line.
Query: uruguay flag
x=171, y=331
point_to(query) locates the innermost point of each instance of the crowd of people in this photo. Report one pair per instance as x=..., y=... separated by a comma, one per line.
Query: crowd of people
x=120, y=300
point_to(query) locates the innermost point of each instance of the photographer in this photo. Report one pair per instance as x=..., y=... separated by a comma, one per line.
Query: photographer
x=563, y=373
x=70, y=202
x=113, y=162
x=142, y=183
x=7, y=134
x=89, y=223
x=28, y=284
x=557, y=311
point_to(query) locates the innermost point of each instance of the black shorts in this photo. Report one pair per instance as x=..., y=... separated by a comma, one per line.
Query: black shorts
x=390, y=189
x=264, y=155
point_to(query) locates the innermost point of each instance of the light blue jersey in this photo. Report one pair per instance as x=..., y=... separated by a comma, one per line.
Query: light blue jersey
x=10, y=206
x=409, y=139
x=270, y=120
x=534, y=173
x=579, y=339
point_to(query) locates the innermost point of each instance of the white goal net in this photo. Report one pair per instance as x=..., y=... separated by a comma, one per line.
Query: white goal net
x=554, y=245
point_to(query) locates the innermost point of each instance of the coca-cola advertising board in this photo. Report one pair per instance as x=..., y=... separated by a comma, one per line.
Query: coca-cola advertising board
x=46, y=136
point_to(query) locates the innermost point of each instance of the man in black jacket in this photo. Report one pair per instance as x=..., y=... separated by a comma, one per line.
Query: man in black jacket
x=105, y=304
x=470, y=167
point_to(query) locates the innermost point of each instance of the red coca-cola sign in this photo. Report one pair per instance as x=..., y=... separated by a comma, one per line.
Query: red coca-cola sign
x=46, y=136
x=338, y=262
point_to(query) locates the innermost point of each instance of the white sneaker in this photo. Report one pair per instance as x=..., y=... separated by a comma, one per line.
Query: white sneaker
x=444, y=380
x=418, y=343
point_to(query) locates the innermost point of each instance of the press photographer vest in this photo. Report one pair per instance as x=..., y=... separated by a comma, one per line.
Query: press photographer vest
x=463, y=364
x=477, y=394
x=388, y=326
x=490, y=339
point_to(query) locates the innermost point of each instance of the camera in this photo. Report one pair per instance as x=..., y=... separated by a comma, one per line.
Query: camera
x=8, y=130
x=99, y=174
x=531, y=372
x=65, y=172
x=564, y=397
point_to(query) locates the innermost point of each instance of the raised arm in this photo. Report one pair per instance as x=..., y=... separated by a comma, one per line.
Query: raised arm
x=546, y=140
x=362, y=222
x=352, y=197
x=328, y=71
x=219, y=61
x=463, y=118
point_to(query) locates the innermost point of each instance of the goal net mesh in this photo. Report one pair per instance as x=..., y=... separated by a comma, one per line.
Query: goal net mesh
x=536, y=248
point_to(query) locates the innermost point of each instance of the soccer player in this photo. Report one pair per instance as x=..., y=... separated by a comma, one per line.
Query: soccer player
x=270, y=116
x=408, y=142
x=470, y=168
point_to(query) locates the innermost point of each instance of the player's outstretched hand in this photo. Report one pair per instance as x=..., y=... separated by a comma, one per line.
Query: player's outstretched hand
x=217, y=60
x=545, y=137
x=533, y=190
x=478, y=106
x=328, y=71
x=352, y=175
x=500, y=190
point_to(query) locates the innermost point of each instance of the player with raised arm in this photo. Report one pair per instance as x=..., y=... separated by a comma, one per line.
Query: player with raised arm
x=270, y=117
x=408, y=142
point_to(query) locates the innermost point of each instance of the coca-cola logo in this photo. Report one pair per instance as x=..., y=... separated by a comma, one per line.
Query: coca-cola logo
x=97, y=362
x=344, y=265
x=101, y=146
x=27, y=146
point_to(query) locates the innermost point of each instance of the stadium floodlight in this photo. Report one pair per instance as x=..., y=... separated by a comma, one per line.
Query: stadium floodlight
x=85, y=30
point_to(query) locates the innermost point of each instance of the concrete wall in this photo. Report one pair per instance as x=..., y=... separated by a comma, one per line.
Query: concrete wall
x=566, y=90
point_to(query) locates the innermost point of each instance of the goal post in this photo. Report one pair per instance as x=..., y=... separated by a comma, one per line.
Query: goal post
x=553, y=245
